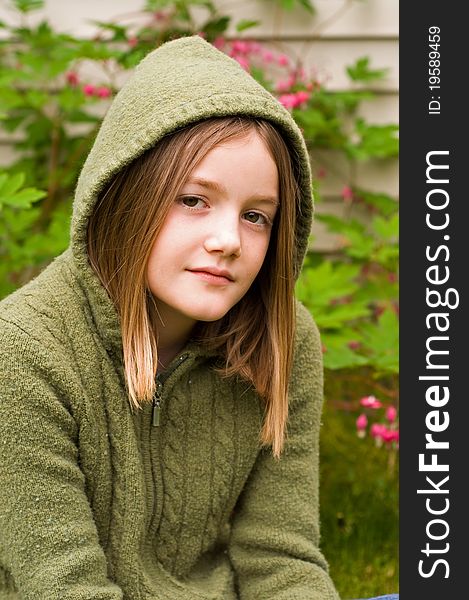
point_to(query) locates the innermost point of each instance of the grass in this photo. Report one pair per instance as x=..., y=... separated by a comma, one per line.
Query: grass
x=359, y=509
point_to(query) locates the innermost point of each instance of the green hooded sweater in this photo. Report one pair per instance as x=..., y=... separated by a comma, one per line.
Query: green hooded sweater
x=95, y=502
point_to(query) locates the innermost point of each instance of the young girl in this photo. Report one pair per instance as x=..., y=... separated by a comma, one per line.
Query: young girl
x=161, y=390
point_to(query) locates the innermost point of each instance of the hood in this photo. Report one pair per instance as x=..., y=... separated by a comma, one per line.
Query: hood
x=181, y=82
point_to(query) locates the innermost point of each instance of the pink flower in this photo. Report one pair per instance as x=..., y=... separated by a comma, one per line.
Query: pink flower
x=282, y=86
x=285, y=84
x=102, y=92
x=283, y=60
x=243, y=61
x=302, y=96
x=353, y=345
x=390, y=435
x=268, y=56
x=72, y=77
x=132, y=41
x=293, y=100
x=89, y=89
x=255, y=47
x=288, y=100
x=361, y=424
x=377, y=430
x=391, y=414
x=370, y=402
x=347, y=193
x=219, y=42
x=240, y=47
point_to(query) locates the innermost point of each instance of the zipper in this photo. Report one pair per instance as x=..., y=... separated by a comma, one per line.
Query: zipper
x=156, y=410
x=158, y=395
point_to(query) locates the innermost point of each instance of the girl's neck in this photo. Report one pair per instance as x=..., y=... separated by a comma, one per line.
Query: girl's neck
x=173, y=332
x=167, y=354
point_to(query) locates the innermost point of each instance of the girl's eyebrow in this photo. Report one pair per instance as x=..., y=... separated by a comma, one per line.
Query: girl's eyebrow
x=218, y=187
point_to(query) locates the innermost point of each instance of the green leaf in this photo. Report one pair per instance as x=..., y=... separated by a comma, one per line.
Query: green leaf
x=96, y=50
x=37, y=99
x=379, y=290
x=23, y=199
x=375, y=141
x=307, y=4
x=314, y=123
x=387, y=256
x=28, y=5
x=338, y=355
x=153, y=5
x=360, y=71
x=9, y=98
x=384, y=203
x=387, y=229
x=320, y=285
x=131, y=58
x=381, y=340
x=359, y=244
x=337, y=316
x=80, y=116
x=339, y=225
x=216, y=27
x=70, y=99
x=10, y=184
x=246, y=24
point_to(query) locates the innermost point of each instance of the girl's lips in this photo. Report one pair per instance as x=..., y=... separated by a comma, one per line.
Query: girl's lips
x=214, y=277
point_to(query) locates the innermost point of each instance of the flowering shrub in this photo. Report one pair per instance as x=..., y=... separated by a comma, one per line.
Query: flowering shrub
x=386, y=430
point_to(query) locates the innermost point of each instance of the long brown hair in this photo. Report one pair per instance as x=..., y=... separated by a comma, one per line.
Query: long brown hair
x=256, y=335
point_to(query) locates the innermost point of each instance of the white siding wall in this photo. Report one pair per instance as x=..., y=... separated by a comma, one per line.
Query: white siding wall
x=339, y=33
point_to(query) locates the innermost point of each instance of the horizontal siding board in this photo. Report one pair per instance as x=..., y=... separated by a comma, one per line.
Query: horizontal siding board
x=329, y=59
x=334, y=18
x=377, y=176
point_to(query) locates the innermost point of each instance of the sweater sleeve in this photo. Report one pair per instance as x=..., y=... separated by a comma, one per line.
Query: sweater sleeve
x=49, y=545
x=275, y=534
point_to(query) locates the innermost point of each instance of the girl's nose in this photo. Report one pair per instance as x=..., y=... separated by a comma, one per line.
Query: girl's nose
x=225, y=239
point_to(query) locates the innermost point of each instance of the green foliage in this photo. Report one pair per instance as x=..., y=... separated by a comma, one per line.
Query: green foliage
x=18, y=212
x=374, y=141
x=245, y=24
x=360, y=71
x=11, y=194
x=28, y=5
x=292, y=4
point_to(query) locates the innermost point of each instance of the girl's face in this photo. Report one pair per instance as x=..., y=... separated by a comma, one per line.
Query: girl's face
x=215, y=237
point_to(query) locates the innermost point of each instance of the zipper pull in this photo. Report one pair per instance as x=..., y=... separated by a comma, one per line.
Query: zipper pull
x=156, y=410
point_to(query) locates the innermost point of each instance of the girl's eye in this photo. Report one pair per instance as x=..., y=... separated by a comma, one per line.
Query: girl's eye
x=256, y=218
x=192, y=201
